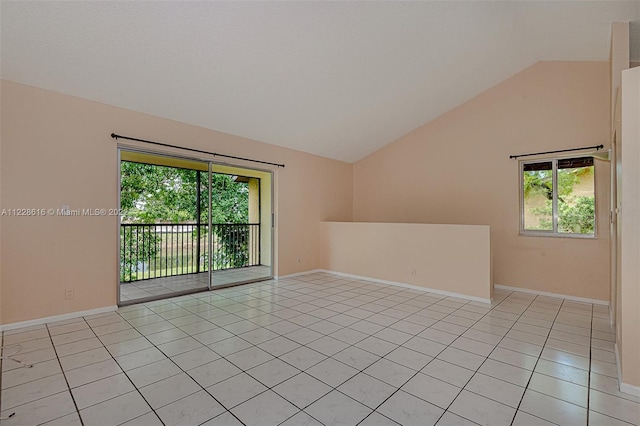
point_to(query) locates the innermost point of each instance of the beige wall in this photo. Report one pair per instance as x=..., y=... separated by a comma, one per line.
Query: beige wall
x=56, y=150
x=629, y=350
x=315, y=190
x=456, y=169
x=449, y=258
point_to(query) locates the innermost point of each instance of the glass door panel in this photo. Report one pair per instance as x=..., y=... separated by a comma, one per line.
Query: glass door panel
x=163, y=238
x=241, y=225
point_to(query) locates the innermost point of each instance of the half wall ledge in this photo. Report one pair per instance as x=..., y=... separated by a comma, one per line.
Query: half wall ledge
x=452, y=259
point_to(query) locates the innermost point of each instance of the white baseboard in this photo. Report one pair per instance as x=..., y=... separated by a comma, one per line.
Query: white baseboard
x=399, y=284
x=47, y=320
x=625, y=387
x=297, y=274
x=630, y=389
x=546, y=293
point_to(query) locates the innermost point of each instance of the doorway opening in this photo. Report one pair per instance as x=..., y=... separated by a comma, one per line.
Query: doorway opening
x=189, y=225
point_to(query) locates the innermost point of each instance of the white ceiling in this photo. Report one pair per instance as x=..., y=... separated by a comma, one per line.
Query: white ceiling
x=338, y=79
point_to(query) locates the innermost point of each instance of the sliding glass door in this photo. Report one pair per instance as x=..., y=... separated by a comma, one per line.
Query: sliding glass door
x=190, y=225
x=241, y=213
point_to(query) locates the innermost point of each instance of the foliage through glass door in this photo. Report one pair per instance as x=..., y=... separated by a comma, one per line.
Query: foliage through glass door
x=164, y=229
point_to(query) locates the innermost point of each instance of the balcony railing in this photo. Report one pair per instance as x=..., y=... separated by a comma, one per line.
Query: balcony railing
x=165, y=250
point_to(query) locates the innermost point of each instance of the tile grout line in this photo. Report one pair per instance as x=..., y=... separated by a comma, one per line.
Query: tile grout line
x=75, y=404
x=389, y=307
x=401, y=345
x=128, y=378
x=299, y=410
x=180, y=368
x=169, y=302
x=435, y=357
x=327, y=357
x=461, y=335
x=94, y=381
x=538, y=360
x=305, y=345
x=335, y=388
x=398, y=320
x=487, y=357
x=312, y=287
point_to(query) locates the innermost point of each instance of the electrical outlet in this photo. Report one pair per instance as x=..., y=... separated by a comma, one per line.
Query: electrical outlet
x=298, y=260
x=413, y=271
x=69, y=294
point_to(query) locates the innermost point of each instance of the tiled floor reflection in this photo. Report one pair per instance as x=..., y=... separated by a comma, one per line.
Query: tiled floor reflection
x=321, y=350
x=156, y=287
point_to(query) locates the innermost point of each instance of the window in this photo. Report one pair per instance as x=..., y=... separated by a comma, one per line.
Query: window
x=557, y=197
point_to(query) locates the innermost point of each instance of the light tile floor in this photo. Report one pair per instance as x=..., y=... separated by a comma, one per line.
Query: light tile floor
x=320, y=349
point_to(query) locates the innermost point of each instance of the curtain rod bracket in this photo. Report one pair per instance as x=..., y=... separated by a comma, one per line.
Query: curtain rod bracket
x=215, y=154
x=597, y=148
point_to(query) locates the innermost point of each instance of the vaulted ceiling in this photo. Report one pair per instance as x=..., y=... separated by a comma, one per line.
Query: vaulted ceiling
x=338, y=79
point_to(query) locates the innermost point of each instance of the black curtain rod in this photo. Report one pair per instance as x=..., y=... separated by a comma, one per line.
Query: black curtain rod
x=215, y=154
x=597, y=147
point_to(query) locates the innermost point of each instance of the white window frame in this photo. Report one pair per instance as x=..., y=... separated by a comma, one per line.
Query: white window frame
x=554, y=232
